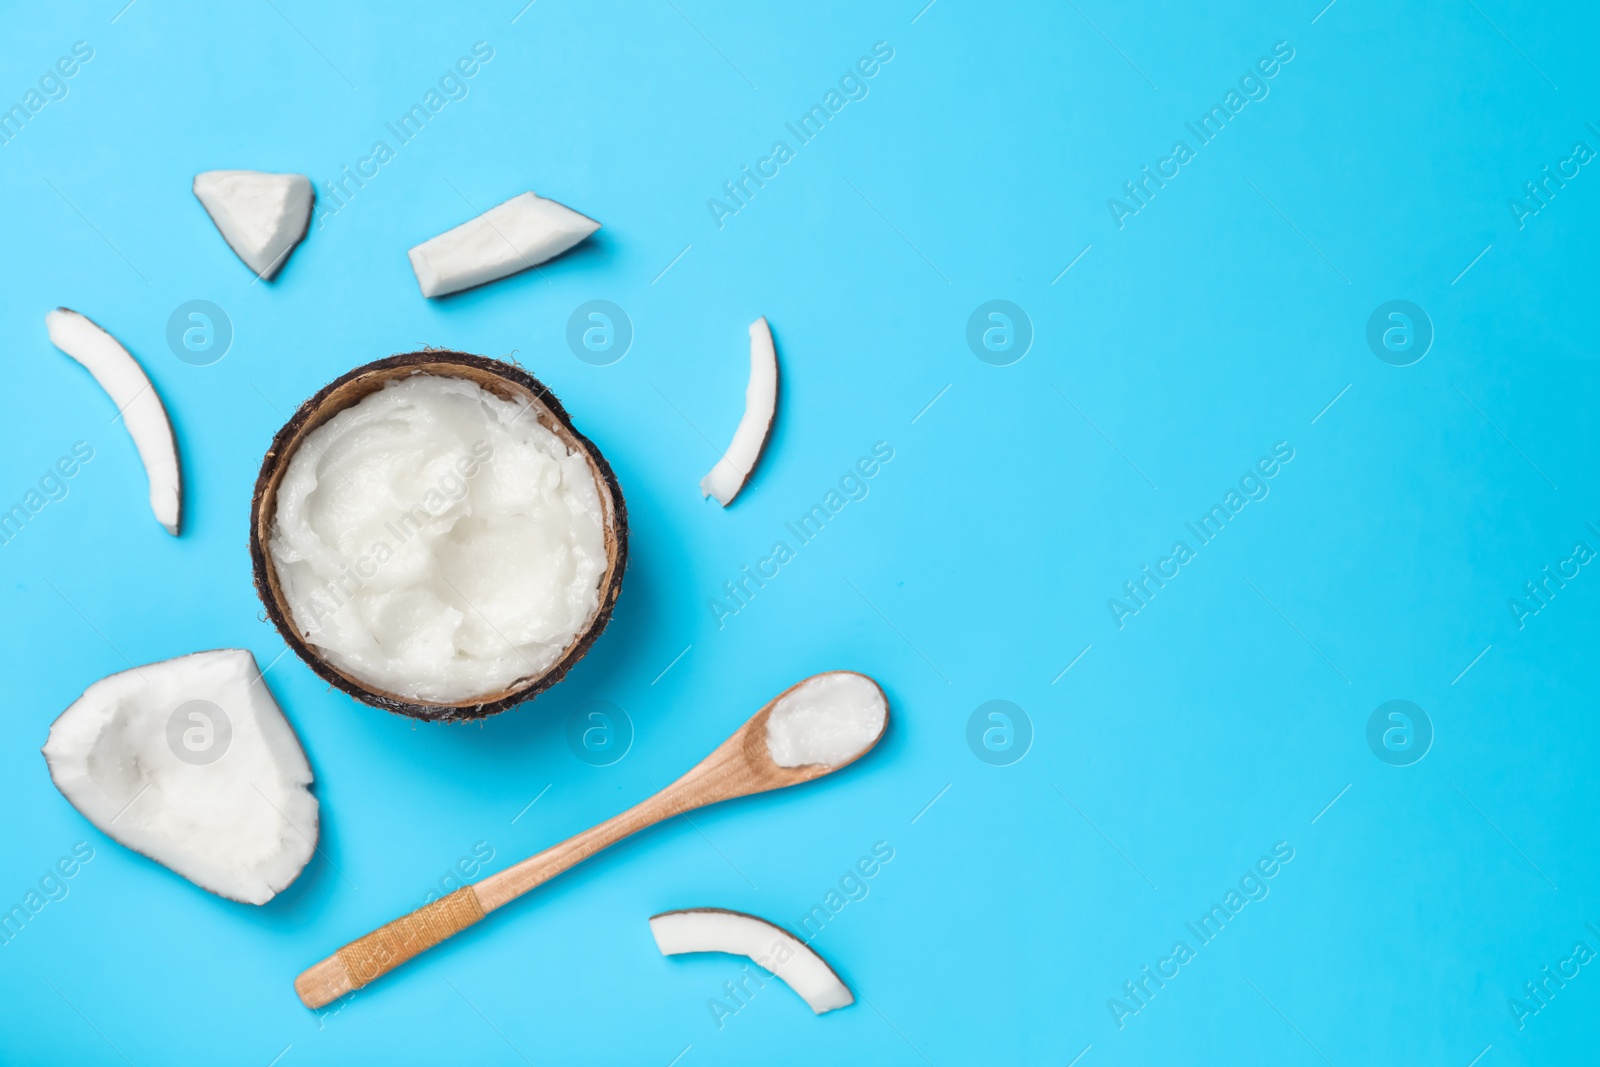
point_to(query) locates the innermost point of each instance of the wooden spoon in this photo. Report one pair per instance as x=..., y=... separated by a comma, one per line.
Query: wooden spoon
x=740, y=766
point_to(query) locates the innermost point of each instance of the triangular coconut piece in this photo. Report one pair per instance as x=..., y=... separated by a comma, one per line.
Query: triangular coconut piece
x=760, y=406
x=190, y=762
x=124, y=380
x=523, y=232
x=771, y=947
x=262, y=216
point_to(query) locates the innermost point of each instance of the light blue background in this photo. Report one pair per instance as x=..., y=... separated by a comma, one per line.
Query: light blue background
x=1222, y=719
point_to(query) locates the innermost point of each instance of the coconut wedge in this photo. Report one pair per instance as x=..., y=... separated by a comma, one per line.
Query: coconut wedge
x=523, y=232
x=262, y=216
x=760, y=405
x=190, y=762
x=120, y=375
x=771, y=947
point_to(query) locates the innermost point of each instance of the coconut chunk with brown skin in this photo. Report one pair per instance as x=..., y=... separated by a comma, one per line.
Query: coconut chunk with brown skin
x=262, y=216
x=523, y=232
x=124, y=380
x=750, y=439
x=771, y=947
x=190, y=762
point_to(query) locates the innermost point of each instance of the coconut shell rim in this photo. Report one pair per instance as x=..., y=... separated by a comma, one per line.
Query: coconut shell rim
x=264, y=576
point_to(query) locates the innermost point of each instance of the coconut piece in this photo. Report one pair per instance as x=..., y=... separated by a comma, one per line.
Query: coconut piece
x=771, y=947
x=750, y=439
x=121, y=376
x=190, y=762
x=262, y=216
x=523, y=232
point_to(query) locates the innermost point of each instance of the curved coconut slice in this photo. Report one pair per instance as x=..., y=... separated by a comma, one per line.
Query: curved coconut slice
x=190, y=762
x=261, y=216
x=772, y=948
x=523, y=232
x=760, y=404
x=120, y=375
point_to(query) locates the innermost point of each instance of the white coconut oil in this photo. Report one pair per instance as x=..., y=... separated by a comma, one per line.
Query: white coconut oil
x=437, y=542
x=829, y=719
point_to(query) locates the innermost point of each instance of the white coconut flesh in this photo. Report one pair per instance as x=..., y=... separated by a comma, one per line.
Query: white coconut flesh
x=262, y=216
x=829, y=719
x=190, y=762
x=124, y=380
x=523, y=232
x=439, y=543
x=760, y=404
x=770, y=947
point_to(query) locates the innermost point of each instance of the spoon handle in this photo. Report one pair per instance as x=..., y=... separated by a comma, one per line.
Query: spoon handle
x=367, y=958
x=502, y=887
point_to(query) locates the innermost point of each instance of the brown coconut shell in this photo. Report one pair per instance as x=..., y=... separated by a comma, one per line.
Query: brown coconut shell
x=503, y=380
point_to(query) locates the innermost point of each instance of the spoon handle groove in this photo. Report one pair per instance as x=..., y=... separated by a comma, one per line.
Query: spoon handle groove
x=367, y=958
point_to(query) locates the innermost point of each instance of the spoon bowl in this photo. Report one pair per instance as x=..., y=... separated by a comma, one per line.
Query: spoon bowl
x=751, y=742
